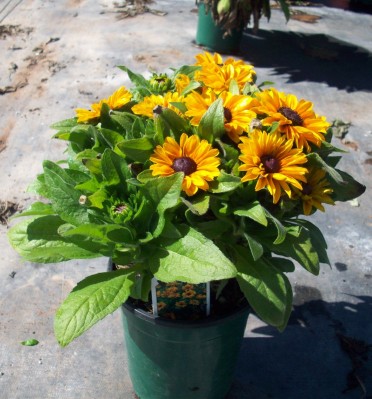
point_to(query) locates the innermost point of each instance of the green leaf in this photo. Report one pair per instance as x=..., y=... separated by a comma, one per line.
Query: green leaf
x=317, y=238
x=115, y=170
x=139, y=81
x=279, y=227
x=193, y=85
x=317, y=160
x=110, y=137
x=37, y=240
x=234, y=87
x=30, y=342
x=164, y=193
x=212, y=124
x=192, y=258
x=63, y=195
x=297, y=245
x=98, y=198
x=213, y=229
x=102, y=233
x=174, y=122
x=198, y=205
x=142, y=286
x=65, y=124
x=38, y=186
x=266, y=288
x=90, y=301
x=161, y=130
x=253, y=211
x=224, y=183
x=139, y=150
x=80, y=135
x=326, y=148
x=283, y=264
x=285, y=9
x=345, y=187
x=145, y=176
x=348, y=189
x=188, y=70
x=254, y=246
x=37, y=208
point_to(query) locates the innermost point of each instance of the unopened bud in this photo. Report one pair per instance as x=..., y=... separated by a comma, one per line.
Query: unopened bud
x=82, y=199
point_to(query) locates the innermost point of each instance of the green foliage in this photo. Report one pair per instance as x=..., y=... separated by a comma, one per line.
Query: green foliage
x=30, y=342
x=90, y=301
x=106, y=199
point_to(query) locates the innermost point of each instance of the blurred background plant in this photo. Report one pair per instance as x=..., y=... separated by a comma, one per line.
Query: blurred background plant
x=238, y=14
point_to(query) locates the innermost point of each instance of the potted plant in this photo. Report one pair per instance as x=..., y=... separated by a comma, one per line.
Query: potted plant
x=221, y=22
x=198, y=179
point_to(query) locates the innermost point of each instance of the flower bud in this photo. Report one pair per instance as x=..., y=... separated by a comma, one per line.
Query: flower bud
x=160, y=83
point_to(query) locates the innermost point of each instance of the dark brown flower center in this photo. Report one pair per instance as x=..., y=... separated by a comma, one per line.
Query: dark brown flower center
x=158, y=110
x=270, y=164
x=293, y=116
x=227, y=114
x=185, y=165
x=306, y=189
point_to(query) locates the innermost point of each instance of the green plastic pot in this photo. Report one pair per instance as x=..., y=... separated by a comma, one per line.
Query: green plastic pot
x=211, y=36
x=170, y=359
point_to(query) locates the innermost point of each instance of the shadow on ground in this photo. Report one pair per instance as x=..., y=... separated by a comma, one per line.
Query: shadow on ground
x=319, y=354
x=310, y=57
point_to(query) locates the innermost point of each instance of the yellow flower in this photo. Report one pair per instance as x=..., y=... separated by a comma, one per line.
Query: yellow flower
x=198, y=104
x=194, y=157
x=237, y=114
x=296, y=118
x=88, y=115
x=181, y=82
x=146, y=107
x=271, y=160
x=208, y=59
x=218, y=75
x=315, y=191
x=117, y=100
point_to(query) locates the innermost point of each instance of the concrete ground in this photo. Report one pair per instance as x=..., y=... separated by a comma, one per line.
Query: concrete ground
x=59, y=55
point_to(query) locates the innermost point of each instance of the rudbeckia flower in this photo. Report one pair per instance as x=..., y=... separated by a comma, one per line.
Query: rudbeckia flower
x=146, y=107
x=218, y=75
x=194, y=157
x=271, y=160
x=181, y=82
x=117, y=100
x=197, y=104
x=315, y=191
x=237, y=114
x=296, y=118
